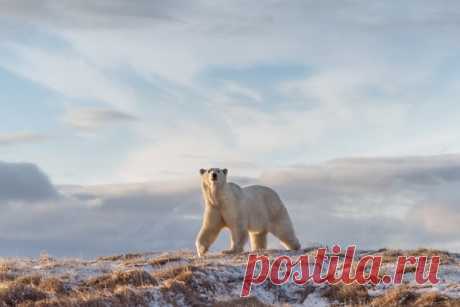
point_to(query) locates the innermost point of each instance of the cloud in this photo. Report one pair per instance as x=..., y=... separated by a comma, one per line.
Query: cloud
x=400, y=202
x=197, y=36
x=70, y=75
x=372, y=175
x=326, y=113
x=364, y=89
x=88, y=14
x=440, y=219
x=372, y=78
x=24, y=182
x=21, y=138
x=100, y=220
x=91, y=118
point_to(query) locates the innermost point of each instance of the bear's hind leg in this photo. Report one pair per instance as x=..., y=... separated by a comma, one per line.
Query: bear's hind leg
x=258, y=241
x=285, y=233
x=291, y=244
x=239, y=239
x=288, y=239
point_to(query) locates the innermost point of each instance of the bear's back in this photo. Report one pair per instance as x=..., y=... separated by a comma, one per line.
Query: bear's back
x=264, y=198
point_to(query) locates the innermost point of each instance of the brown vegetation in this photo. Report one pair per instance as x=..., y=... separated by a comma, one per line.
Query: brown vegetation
x=200, y=282
x=4, y=276
x=137, y=278
x=242, y=302
x=17, y=293
x=119, y=298
x=164, y=260
x=391, y=255
x=173, y=272
x=405, y=296
x=120, y=257
x=353, y=294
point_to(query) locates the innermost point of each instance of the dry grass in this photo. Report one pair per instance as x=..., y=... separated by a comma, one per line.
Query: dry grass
x=446, y=257
x=391, y=255
x=405, y=296
x=29, y=280
x=54, y=285
x=432, y=299
x=174, y=290
x=17, y=293
x=172, y=272
x=45, y=258
x=189, y=284
x=182, y=286
x=135, y=259
x=180, y=275
x=120, y=257
x=400, y=296
x=4, y=276
x=137, y=278
x=120, y=297
x=124, y=288
x=164, y=260
x=353, y=294
x=5, y=267
x=242, y=302
x=183, y=278
x=107, y=290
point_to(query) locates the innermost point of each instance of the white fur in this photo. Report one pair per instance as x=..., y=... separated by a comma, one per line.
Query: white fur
x=251, y=211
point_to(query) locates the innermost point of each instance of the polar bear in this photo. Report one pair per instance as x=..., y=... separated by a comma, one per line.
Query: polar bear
x=251, y=211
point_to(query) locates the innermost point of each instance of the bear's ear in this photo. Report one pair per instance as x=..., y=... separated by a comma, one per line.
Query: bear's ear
x=225, y=171
x=202, y=171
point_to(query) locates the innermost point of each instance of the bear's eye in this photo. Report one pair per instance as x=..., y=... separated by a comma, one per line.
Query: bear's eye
x=209, y=170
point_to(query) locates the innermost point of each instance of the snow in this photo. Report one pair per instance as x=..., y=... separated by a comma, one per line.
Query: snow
x=315, y=300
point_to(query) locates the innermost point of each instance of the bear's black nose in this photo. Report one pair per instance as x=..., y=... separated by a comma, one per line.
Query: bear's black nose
x=214, y=176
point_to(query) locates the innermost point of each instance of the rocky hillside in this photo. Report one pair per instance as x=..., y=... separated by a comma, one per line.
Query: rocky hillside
x=182, y=279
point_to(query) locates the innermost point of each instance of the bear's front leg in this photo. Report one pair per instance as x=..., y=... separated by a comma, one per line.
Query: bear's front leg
x=212, y=225
x=239, y=239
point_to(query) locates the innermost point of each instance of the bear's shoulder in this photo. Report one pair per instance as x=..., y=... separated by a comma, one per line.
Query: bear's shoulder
x=259, y=189
x=233, y=186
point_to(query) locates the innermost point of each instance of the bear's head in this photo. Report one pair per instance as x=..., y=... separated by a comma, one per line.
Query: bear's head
x=214, y=177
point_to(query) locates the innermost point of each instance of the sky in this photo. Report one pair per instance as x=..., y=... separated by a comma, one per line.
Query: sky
x=109, y=108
